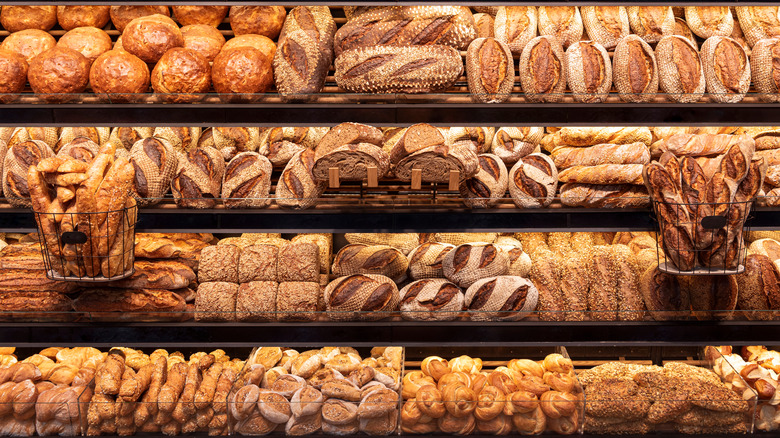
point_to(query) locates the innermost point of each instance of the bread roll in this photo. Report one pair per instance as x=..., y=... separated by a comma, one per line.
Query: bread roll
x=150, y=37
x=651, y=23
x=533, y=181
x=241, y=74
x=726, y=69
x=490, y=70
x=155, y=164
x=707, y=21
x=543, y=70
x=361, y=297
x=515, y=26
x=297, y=188
x=202, y=38
x=89, y=41
x=502, y=298
x=259, y=42
x=18, y=159
x=193, y=15
x=562, y=22
x=28, y=43
x=105, y=79
x=261, y=20
x=606, y=25
x=16, y=18
x=488, y=186
x=180, y=72
x=634, y=70
x=71, y=17
x=588, y=71
x=603, y=196
x=247, y=181
x=513, y=143
x=58, y=73
x=485, y=24
x=13, y=68
x=467, y=263
x=436, y=162
x=198, y=178
x=121, y=16
x=364, y=259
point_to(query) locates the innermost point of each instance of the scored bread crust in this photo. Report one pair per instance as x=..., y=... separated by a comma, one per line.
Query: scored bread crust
x=567, y=32
x=604, y=195
x=513, y=143
x=488, y=186
x=155, y=164
x=533, y=181
x=384, y=260
x=365, y=297
x=588, y=71
x=603, y=174
x=682, y=29
x=726, y=69
x=247, y=181
x=498, y=298
x=764, y=72
x=297, y=188
x=431, y=299
x=510, y=17
x=639, y=17
x=198, y=178
x=671, y=50
x=635, y=85
x=606, y=32
x=490, y=70
x=758, y=28
x=632, y=153
x=701, y=22
x=546, y=85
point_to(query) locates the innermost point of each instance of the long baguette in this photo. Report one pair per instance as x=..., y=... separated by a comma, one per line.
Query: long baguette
x=634, y=153
x=603, y=174
x=604, y=195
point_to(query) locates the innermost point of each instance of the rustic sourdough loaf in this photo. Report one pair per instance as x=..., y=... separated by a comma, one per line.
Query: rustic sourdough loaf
x=371, y=259
x=490, y=70
x=515, y=26
x=726, y=69
x=764, y=70
x=488, y=186
x=297, y=188
x=562, y=22
x=361, y=297
x=470, y=262
x=513, y=143
x=707, y=21
x=680, y=69
x=681, y=29
x=543, y=70
x=431, y=299
x=634, y=70
x=758, y=22
x=606, y=25
x=247, y=181
x=651, y=23
x=198, y=178
x=155, y=164
x=588, y=71
x=425, y=261
x=501, y=298
x=533, y=181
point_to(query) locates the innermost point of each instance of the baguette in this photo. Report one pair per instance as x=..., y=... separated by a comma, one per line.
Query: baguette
x=603, y=174
x=589, y=136
x=634, y=70
x=606, y=25
x=695, y=145
x=604, y=196
x=562, y=22
x=680, y=69
x=633, y=153
x=490, y=70
x=515, y=26
x=543, y=70
x=588, y=71
x=726, y=69
x=651, y=23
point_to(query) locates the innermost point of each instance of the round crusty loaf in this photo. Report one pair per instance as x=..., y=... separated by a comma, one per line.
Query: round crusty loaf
x=182, y=139
x=588, y=71
x=405, y=242
x=374, y=259
x=759, y=288
x=634, y=70
x=758, y=22
x=533, y=181
x=155, y=164
x=67, y=134
x=479, y=137
x=726, y=69
x=513, y=143
x=306, y=137
x=16, y=18
x=543, y=70
x=247, y=181
x=519, y=261
x=151, y=36
x=707, y=21
x=490, y=70
x=606, y=25
x=82, y=148
x=297, y=188
x=651, y=23
x=28, y=43
x=767, y=247
x=431, y=299
x=488, y=186
x=366, y=297
x=562, y=22
x=198, y=179
x=683, y=83
x=501, y=298
x=663, y=296
x=18, y=158
x=470, y=262
x=46, y=135
x=764, y=69
x=515, y=26
x=232, y=140
x=425, y=261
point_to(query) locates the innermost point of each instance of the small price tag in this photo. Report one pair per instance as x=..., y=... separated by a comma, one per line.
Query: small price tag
x=73, y=238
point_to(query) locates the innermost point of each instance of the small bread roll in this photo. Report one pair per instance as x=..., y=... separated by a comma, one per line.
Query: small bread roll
x=121, y=16
x=16, y=18
x=204, y=39
x=13, y=70
x=211, y=15
x=244, y=70
x=71, y=17
x=182, y=71
x=28, y=43
x=89, y=41
x=150, y=37
x=259, y=42
x=117, y=72
x=59, y=70
x=262, y=20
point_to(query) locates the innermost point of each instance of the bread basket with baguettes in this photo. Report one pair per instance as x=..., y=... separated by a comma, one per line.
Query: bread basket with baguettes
x=86, y=216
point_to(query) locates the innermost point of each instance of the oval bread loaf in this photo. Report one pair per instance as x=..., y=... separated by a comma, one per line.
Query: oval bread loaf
x=198, y=179
x=759, y=288
x=425, y=261
x=470, y=262
x=488, y=186
x=765, y=73
x=533, y=181
x=370, y=259
x=606, y=25
x=513, y=143
x=588, y=71
x=353, y=162
x=181, y=138
x=651, y=23
x=681, y=29
x=543, y=70
x=490, y=70
x=561, y=22
x=634, y=70
x=155, y=164
x=502, y=298
x=365, y=297
x=726, y=69
x=485, y=24
x=297, y=188
x=707, y=21
x=519, y=261
x=19, y=157
x=515, y=26
x=758, y=22
x=247, y=181
x=680, y=69
x=431, y=299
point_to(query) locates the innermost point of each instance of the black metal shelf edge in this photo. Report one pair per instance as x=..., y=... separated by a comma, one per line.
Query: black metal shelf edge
x=389, y=114
x=389, y=2
x=406, y=333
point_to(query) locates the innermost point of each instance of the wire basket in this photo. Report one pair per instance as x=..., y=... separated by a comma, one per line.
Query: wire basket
x=702, y=238
x=88, y=247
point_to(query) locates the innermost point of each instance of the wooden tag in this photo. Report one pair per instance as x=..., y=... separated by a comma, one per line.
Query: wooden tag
x=416, y=179
x=373, y=176
x=454, y=180
x=333, y=177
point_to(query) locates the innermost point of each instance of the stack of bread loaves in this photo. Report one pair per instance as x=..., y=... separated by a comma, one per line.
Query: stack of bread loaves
x=767, y=139
x=459, y=397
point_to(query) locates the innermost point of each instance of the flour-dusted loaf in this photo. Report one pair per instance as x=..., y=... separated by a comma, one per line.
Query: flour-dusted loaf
x=361, y=297
x=480, y=137
x=182, y=138
x=425, y=261
x=485, y=24
x=764, y=70
x=604, y=195
x=247, y=181
x=299, y=261
x=219, y=263
x=562, y=22
x=513, y=143
x=543, y=70
x=431, y=299
x=157, y=274
x=198, y=178
x=373, y=259
x=403, y=241
x=603, y=174
x=533, y=181
x=680, y=69
x=216, y=301
x=297, y=301
x=519, y=260
x=67, y=134
x=398, y=69
x=501, y=298
x=125, y=137
x=490, y=70
x=488, y=186
x=726, y=69
x=606, y=25
x=297, y=188
x=436, y=162
x=758, y=22
x=516, y=26
x=651, y=23
x=304, y=137
x=231, y=140
x=593, y=135
x=19, y=157
x=633, y=153
x=588, y=71
x=256, y=301
x=324, y=242
x=348, y=133
x=155, y=164
x=634, y=70
x=470, y=262
x=681, y=29
x=707, y=21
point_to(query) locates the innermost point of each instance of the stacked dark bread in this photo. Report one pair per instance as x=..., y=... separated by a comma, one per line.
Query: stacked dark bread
x=423, y=147
x=351, y=148
x=461, y=398
x=332, y=390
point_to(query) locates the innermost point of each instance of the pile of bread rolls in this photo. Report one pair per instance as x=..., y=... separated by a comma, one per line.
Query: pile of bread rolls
x=525, y=396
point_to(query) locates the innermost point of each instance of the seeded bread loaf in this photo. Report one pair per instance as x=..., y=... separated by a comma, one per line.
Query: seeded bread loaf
x=431, y=299
x=543, y=70
x=588, y=71
x=533, y=181
x=297, y=188
x=361, y=297
x=219, y=263
x=247, y=181
x=606, y=25
x=545, y=276
x=297, y=301
x=299, y=261
x=256, y=301
x=651, y=23
x=515, y=26
x=513, y=143
x=375, y=259
x=603, y=174
x=155, y=164
x=425, y=261
x=216, y=301
x=490, y=70
x=634, y=70
x=488, y=186
x=198, y=178
x=726, y=69
x=502, y=298
x=470, y=262
x=562, y=22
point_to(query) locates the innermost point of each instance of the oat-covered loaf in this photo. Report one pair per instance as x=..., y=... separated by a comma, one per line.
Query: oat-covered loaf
x=470, y=262
x=542, y=70
x=533, y=181
x=635, y=70
x=680, y=70
x=297, y=301
x=247, y=181
x=562, y=22
x=365, y=259
x=361, y=297
x=707, y=21
x=501, y=298
x=431, y=299
x=155, y=164
x=299, y=261
x=488, y=186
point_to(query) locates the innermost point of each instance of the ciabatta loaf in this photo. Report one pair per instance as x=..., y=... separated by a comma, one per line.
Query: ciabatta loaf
x=606, y=25
x=651, y=23
x=562, y=22
x=634, y=70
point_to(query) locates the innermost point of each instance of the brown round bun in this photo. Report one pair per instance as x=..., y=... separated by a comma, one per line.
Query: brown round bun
x=118, y=44
x=59, y=70
x=259, y=42
x=13, y=70
x=16, y=18
x=204, y=39
x=181, y=71
x=211, y=15
x=89, y=41
x=240, y=73
x=71, y=17
x=121, y=16
x=262, y=20
x=119, y=74
x=150, y=37
x=29, y=43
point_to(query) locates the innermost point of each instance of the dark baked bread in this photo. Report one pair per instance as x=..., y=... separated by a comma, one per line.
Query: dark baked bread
x=297, y=188
x=35, y=306
x=155, y=164
x=488, y=186
x=104, y=77
x=352, y=160
x=18, y=159
x=431, y=299
x=247, y=181
x=189, y=15
x=198, y=178
x=203, y=38
x=29, y=43
x=121, y=16
x=241, y=73
x=261, y=20
x=16, y=18
x=759, y=288
x=347, y=133
x=89, y=41
x=436, y=162
x=216, y=301
x=13, y=68
x=71, y=17
x=59, y=71
x=361, y=297
x=180, y=73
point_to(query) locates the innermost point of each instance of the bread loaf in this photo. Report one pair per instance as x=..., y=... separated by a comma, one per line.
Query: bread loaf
x=681, y=29
x=297, y=301
x=479, y=137
x=582, y=136
x=242, y=74
x=651, y=23
x=543, y=70
x=502, y=298
x=325, y=244
x=425, y=261
x=485, y=24
x=23, y=305
x=158, y=274
x=130, y=304
x=125, y=137
x=258, y=263
x=764, y=70
x=82, y=149
x=488, y=186
x=436, y=162
x=352, y=161
x=14, y=68
x=361, y=297
x=98, y=135
x=634, y=70
x=364, y=259
x=470, y=262
x=707, y=21
x=562, y=22
x=155, y=164
x=203, y=38
x=346, y=134
x=297, y=188
x=545, y=276
x=398, y=69
x=247, y=181
x=256, y=301
x=216, y=301
x=515, y=26
x=219, y=263
x=603, y=174
x=230, y=140
x=758, y=22
x=519, y=261
x=28, y=43
x=198, y=178
x=634, y=153
x=513, y=143
x=533, y=181
x=490, y=70
x=712, y=297
x=408, y=25
x=71, y=17
x=89, y=41
x=18, y=159
x=403, y=241
x=461, y=238
x=262, y=20
x=58, y=74
x=606, y=25
x=680, y=69
x=726, y=69
x=151, y=36
x=588, y=71
x=604, y=196
x=182, y=76
x=299, y=261
x=664, y=298
x=630, y=304
x=415, y=138
x=759, y=288
x=16, y=18
x=121, y=16
x=304, y=137
x=432, y=299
